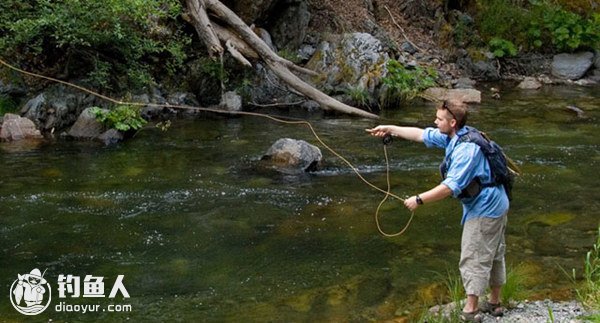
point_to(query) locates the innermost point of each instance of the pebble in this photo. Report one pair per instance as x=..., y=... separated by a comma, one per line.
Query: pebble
x=529, y=312
x=539, y=311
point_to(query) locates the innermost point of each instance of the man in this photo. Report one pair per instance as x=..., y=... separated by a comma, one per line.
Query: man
x=484, y=212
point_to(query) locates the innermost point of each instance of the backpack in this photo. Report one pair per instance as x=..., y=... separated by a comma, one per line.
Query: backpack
x=501, y=173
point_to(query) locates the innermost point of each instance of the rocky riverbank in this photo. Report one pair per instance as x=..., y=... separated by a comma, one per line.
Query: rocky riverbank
x=541, y=311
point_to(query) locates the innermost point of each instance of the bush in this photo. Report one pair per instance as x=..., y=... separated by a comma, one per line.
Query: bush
x=563, y=30
x=359, y=96
x=112, y=43
x=406, y=84
x=123, y=117
x=502, y=19
x=536, y=25
x=502, y=47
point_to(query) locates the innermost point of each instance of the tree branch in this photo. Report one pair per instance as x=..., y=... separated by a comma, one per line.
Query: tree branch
x=197, y=8
x=279, y=65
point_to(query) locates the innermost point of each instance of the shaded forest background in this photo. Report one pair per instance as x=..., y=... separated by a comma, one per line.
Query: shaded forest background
x=123, y=46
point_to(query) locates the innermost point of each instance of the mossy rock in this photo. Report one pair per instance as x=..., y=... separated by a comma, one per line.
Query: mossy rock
x=552, y=219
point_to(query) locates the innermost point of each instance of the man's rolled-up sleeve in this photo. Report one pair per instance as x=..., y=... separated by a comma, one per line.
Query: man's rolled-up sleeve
x=462, y=169
x=433, y=138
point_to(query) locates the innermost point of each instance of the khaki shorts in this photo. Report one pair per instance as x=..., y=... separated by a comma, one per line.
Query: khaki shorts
x=482, y=254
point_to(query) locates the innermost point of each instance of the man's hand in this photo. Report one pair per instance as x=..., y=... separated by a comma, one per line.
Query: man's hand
x=411, y=203
x=379, y=131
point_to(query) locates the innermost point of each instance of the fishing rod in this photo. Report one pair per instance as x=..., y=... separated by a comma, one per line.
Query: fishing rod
x=285, y=120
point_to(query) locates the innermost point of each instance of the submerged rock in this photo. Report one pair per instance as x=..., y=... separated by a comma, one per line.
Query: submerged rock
x=529, y=83
x=576, y=110
x=293, y=156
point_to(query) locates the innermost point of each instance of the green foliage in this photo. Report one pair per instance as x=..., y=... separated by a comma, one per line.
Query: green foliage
x=244, y=87
x=550, y=314
x=514, y=289
x=563, y=30
x=406, y=84
x=7, y=105
x=359, y=95
x=289, y=55
x=454, y=295
x=502, y=47
x=589, y=292
x=111, y=43
x=502, y=19
x=123, y=117
x=537, y=25
x=213, y=69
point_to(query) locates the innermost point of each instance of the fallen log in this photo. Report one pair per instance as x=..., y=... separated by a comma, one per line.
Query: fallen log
x=242, y=33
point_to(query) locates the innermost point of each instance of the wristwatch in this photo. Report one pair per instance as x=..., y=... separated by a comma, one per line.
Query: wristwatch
x=419, y=200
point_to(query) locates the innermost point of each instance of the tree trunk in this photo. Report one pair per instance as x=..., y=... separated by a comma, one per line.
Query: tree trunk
x=280, y=66
x=197, y=8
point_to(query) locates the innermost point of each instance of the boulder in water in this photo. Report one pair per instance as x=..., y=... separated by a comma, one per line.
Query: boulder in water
x=293, y=156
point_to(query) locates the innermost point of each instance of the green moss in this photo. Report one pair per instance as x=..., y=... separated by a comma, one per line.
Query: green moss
x=551, y=219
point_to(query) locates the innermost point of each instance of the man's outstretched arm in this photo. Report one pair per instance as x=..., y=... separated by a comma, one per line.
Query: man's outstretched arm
x=408, y=133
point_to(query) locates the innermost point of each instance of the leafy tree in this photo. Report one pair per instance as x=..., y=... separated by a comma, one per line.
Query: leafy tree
x=113, y=44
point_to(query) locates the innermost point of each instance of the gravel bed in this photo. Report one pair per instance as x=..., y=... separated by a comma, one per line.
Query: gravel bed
x=539, y=311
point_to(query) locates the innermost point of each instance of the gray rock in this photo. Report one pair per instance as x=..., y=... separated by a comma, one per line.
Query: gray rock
x=310, y=105
x=306, y=51
x=15, y=127
x=57, y=107
x=571, y=66
x=182, y=98
x=86, y=126
x=251, y=10
x=462, y=95
x=529, y=83
x=356, y=59
x=481, y=69
x=266, y=88
x=10, y=88
x=408, y=48
x=485, y=70
x=289, y=30
x=293, y=156
x=595, y=75
x=464, y=83
x=597, y=60
x=231, y=101
x=111, y=137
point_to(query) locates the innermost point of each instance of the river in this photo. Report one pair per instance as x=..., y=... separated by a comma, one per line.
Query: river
x=200, y=232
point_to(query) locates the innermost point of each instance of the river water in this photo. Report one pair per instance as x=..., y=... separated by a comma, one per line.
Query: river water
x=200, y=231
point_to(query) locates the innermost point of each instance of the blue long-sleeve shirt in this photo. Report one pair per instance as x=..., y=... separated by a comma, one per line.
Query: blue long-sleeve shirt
x=466, y=161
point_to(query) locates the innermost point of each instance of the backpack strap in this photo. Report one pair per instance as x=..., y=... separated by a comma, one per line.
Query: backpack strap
x=480, y=139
